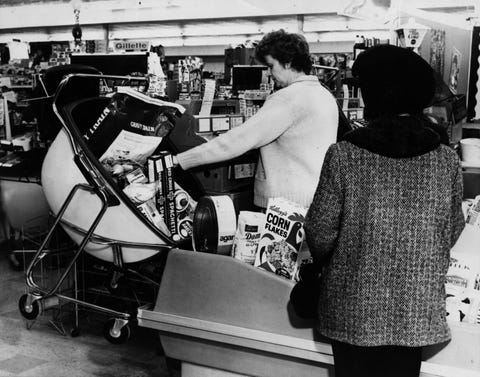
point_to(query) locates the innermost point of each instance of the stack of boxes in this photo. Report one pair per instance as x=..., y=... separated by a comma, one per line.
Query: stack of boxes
x=188, y=72
x=60, y=54
x=160, y=172
x=96, y=46
x=252, y=101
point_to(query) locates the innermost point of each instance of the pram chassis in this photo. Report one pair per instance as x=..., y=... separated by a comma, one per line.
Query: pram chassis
x=30, y=304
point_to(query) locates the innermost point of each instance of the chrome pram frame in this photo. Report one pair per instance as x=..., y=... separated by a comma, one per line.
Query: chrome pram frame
x=116, y=330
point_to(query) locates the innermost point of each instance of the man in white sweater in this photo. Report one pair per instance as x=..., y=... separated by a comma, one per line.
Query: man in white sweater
x=292, y=130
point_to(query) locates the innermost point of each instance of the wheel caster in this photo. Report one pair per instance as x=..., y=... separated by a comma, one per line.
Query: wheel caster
x=75, y=332
x=116, y=331
x=113, y=289
x=29, y=308
x=114, y=282
x=14, y=262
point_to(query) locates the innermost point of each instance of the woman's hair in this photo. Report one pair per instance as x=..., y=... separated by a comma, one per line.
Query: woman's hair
x=286, y=48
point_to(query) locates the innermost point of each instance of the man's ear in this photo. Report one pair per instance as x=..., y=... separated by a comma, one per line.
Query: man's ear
x=288, y=65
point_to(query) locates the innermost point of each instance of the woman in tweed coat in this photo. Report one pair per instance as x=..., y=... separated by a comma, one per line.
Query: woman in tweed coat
x=386, y=212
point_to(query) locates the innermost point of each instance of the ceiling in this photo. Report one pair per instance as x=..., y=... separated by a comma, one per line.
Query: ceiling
x=188, y=24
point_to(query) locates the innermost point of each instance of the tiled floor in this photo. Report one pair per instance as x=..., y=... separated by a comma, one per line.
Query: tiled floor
x=42, y=351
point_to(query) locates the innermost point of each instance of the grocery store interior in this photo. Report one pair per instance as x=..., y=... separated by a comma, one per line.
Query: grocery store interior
x=122, y=269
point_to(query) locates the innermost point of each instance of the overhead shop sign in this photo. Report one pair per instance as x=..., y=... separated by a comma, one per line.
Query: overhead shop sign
x=131, y=45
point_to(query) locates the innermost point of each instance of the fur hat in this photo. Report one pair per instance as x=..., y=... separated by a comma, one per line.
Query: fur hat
x=393, y=80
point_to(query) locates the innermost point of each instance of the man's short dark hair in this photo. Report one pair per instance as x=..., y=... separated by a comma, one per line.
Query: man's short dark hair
x=286, y=48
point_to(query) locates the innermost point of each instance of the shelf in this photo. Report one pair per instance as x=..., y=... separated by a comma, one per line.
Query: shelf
x=473, y=126
x=20, y=87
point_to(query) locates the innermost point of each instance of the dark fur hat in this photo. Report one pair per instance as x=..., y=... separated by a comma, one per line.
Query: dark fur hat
x=393, y=80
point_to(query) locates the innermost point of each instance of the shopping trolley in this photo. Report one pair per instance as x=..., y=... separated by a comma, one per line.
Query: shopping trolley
x=94, y=212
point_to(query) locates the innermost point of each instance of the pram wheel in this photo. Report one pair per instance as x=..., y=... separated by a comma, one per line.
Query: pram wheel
x=116, y=331
x=29, y=308
x=75, y=332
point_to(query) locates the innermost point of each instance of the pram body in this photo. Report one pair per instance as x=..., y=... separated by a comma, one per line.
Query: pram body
x=60, y=175
x=91, y=208
x=69, y=163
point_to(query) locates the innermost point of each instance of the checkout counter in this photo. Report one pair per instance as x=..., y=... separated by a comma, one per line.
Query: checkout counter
x=222, y=317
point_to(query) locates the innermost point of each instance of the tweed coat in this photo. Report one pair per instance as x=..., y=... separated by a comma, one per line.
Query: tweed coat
x=386, y=212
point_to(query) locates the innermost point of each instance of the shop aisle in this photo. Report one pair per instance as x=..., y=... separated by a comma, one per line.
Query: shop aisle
x=42, y=351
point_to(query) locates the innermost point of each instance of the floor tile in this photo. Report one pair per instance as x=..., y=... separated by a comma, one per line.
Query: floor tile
x=20, y=363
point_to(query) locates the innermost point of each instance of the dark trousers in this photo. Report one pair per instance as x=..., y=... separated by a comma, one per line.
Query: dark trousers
x=384, y=361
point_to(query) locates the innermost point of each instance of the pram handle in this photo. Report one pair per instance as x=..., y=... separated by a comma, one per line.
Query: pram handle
x=87, y=170
x=64, y=83
x=93, y=180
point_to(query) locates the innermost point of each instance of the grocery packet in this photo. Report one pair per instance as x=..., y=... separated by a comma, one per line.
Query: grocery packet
x=462, y=285
x=173, y=203
x=281, y=239
x=131, y=127
x=150, y=200
x=247, y=236
x=473, y=213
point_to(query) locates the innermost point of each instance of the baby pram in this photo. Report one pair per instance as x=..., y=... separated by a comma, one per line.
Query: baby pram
x=92, y=210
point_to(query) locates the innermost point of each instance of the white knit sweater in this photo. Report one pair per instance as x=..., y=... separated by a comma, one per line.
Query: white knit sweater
x=292, y=130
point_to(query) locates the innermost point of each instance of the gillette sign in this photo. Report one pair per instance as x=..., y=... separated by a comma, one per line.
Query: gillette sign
x=131, y=45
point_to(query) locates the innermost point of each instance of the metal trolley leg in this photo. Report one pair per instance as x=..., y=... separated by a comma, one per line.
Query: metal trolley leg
x=29, y=304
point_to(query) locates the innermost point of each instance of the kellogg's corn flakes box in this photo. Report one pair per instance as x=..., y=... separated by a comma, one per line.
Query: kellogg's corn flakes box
x=281, y=238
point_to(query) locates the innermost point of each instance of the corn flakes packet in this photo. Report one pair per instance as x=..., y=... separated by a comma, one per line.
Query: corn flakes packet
x=281, y=238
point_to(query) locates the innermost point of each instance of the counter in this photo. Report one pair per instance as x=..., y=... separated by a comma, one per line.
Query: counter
x=222, y=317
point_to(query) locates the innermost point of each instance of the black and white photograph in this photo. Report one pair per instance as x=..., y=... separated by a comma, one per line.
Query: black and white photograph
x=239, y=188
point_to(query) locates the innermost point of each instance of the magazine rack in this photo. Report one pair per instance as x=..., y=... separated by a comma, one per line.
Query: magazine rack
x=92, y=209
